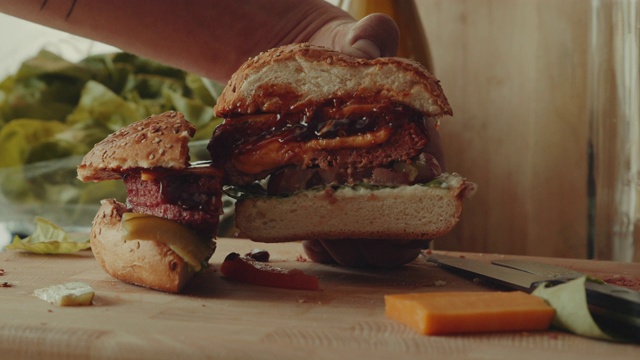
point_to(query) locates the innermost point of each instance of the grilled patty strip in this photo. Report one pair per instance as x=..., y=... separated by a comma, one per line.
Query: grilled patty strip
x=190, y=199
x=350, y=137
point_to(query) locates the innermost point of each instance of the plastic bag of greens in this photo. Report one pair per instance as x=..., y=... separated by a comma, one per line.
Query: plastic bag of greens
x=53, y=111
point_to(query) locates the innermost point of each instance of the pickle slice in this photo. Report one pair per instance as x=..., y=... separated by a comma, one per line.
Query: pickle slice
x=191, y=247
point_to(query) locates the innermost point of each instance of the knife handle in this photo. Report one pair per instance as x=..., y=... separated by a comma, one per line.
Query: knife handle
x=614, y=308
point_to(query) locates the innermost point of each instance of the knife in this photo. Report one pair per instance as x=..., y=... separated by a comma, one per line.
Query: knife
x=615, y=309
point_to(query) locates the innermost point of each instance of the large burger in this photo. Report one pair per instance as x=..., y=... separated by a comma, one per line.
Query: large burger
x=165, y=231
x=320, y=145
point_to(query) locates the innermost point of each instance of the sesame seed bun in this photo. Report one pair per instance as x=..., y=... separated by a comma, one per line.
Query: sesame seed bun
x=159, y=141
x=296, y=75
x=144, y=263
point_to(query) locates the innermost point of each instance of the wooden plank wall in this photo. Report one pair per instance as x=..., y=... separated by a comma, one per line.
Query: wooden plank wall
x=515, y=74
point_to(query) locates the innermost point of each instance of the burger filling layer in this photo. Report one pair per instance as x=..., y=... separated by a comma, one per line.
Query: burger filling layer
x=191, y=198
x=342, y=142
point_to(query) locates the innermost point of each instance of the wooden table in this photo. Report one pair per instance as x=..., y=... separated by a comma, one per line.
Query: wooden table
x=217, y=318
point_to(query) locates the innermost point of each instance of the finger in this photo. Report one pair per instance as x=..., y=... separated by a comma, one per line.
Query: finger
x=345, y=253
x=359, y=253
x=388, y=254
x=373, y=36
x=316, y=252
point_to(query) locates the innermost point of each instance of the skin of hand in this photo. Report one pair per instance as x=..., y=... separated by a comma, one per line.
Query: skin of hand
x=364, y=253
x=213, y=38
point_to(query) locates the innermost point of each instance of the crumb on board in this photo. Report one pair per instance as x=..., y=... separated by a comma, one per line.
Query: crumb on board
x=5, y=284
x=439, y=283
x=301, y=258
x=75, y=293
x=1, y=272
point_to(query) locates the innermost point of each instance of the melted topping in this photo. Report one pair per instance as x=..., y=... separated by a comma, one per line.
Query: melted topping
x=261, y=142
x=274, y=153
x=202, y=168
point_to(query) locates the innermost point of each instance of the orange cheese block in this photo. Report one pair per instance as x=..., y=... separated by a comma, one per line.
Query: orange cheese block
x=469, y=312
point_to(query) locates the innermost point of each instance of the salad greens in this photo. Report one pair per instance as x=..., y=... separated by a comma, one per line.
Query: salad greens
x=572, y=312
x=253, y=190
x=49, y=238
x=52, y=112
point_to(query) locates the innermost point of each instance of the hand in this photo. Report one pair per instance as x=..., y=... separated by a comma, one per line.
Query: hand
x=361, y=253
x=373, y=36
x=377, y=253
x=212, y=38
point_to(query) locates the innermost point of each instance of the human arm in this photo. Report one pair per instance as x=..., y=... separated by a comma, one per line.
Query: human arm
x=211, y=38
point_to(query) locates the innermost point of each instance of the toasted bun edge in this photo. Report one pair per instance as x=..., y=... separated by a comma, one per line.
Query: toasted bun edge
x=394, y=214
x=144, y=263
x=158, y=141
x=292, y=75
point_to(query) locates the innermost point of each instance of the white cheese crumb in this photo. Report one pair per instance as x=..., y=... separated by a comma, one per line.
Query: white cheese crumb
x=70, y=294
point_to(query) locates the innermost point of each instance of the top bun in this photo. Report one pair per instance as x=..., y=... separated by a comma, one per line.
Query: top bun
x=159, y=141
x=296, y=75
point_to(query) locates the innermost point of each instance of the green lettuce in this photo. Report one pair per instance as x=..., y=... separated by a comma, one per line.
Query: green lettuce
x=49, y=238
x=53, y=111
x=572, y=311
x=256, y=190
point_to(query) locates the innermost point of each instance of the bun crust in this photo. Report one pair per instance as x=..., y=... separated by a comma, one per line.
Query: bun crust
x=145, y=263
x=300, y=74
x=404, y=213
x=157, y=141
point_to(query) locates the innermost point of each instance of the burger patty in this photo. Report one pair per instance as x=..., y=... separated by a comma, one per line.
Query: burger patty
x=405, y=142
x=421, y=169
x=190, y=199
x=348, y=136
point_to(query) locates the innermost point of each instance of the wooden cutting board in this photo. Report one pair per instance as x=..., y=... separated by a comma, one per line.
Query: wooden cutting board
x=216, y=318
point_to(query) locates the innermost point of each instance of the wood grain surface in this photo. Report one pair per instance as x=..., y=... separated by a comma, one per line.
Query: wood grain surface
x=217, y=318
x=515, y=73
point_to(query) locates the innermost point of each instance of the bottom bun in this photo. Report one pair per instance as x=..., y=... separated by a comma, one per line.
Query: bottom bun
x=402, y=213
x=145, y=263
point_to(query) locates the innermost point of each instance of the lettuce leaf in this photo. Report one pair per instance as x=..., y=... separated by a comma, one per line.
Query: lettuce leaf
x=572, y=312
x=20, y=137
x=49, y=238
x=53, y=111
x=256, y=189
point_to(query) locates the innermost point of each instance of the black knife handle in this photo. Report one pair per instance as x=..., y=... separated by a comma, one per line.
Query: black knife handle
x=614, y=308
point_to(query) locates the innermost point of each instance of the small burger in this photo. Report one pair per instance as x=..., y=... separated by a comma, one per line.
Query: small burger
x=316, y=144
x=165, y=231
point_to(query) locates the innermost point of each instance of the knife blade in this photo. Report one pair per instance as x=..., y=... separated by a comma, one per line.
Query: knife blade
x=539, y=269
x=614, y=308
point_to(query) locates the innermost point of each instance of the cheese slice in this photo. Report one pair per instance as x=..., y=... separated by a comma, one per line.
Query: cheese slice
x=185, y=242
x=75, y=293
x=273, y=154
x=469, y=312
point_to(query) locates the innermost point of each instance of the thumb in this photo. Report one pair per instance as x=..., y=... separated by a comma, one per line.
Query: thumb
x=373, y=36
